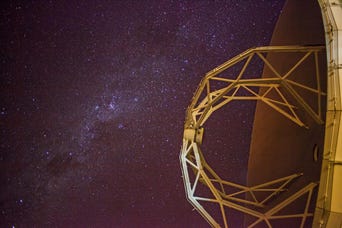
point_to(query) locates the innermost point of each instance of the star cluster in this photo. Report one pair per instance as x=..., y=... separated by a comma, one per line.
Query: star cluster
x=93, y=99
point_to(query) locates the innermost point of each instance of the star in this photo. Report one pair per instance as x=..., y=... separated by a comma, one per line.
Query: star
x=94, y=95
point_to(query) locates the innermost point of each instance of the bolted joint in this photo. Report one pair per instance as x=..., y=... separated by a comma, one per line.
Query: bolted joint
x=195, y=135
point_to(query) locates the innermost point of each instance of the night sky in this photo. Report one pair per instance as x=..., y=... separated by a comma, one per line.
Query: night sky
x=93, y=100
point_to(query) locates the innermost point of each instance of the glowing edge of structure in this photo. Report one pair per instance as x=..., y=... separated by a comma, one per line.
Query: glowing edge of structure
x=328, y=212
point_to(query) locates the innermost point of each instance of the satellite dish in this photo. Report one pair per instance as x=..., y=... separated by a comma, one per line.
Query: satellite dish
x=292, y=117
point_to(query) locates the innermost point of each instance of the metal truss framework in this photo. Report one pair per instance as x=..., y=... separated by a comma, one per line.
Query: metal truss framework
x=280, y=92
x=328, y=212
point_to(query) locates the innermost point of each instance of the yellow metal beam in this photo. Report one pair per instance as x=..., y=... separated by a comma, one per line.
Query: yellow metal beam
x=279, y=91
x=328, y=212
x=200, y=109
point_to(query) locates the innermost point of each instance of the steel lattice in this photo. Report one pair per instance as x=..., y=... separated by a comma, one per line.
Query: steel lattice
x=280, y=91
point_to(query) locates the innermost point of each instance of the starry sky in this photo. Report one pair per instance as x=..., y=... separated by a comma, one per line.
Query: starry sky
x=92, y=106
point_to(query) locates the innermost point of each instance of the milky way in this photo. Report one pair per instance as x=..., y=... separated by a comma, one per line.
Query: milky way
x=93, y=100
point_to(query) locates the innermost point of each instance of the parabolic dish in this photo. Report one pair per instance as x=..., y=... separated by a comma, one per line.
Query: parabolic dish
x=296, y=126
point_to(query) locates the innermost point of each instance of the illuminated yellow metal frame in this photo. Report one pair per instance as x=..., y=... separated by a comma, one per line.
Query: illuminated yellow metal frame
x=328, y=212
x=280, y=92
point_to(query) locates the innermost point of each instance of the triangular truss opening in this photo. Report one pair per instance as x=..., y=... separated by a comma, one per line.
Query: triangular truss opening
x=235, y=80
x=289, y=95
x=277, y=212
x=212, y=195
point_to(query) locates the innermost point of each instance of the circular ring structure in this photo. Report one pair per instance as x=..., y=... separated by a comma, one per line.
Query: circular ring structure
x=196, y=172
x=281, y=91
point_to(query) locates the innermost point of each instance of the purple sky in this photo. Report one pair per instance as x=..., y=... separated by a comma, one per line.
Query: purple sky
x=93, y=99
